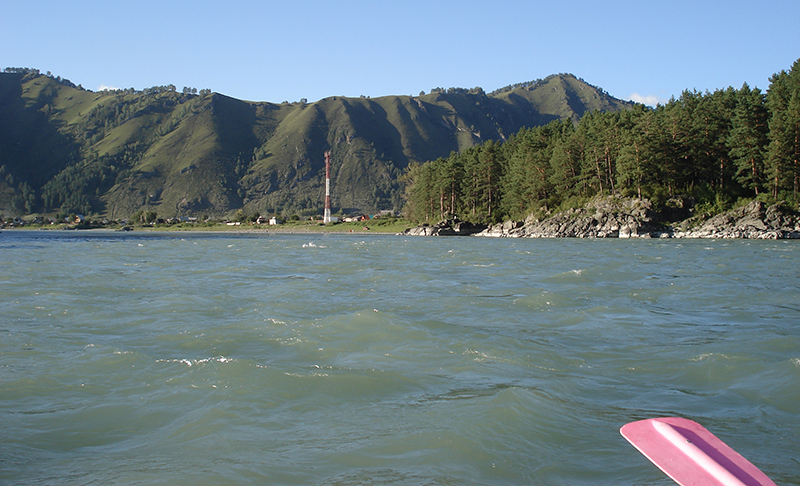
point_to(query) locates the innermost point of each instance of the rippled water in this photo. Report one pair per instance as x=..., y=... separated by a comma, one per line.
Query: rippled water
x=358, y=360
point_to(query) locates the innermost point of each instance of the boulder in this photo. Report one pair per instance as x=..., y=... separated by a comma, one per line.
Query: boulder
x=502, y=230
x=449, y=227
x=603, y=217
x=753, y=221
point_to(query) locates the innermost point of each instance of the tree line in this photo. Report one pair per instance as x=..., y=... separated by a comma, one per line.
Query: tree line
x=715, y=147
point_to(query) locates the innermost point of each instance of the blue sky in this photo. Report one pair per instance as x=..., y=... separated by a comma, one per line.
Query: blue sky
x=291, y=49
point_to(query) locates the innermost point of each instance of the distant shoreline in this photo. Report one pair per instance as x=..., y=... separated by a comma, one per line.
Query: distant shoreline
x=217, y=230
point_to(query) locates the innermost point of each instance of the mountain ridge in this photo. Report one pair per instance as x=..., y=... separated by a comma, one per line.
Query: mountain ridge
x=66, y=149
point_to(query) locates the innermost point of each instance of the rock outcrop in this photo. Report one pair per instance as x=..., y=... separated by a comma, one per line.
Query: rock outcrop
x=614, y=217
x=450, y=227
x=601, y=218
x=754, y=221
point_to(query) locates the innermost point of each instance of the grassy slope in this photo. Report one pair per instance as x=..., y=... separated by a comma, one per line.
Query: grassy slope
x=183, y=155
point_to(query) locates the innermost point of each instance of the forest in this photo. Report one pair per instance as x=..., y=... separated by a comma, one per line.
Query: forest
x=715, y=149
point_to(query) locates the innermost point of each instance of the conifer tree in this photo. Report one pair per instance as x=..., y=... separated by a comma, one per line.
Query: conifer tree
x=566, y=161
x=748, y=138
x=783, y=102
x=526, y=179
x=636, y=164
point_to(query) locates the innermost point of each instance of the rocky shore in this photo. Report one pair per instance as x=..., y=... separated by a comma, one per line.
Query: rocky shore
x=450, y=227
x=614, y=217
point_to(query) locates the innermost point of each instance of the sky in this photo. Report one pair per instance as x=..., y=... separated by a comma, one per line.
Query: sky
x=287, y=50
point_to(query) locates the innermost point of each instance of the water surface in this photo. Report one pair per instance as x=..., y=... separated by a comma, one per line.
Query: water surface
x=133, y=358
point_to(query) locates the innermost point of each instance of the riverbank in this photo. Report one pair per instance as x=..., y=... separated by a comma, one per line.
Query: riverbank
x=387, y=226
x=614, y=217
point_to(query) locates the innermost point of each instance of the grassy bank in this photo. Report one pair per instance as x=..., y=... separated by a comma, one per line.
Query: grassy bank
x=381, y=226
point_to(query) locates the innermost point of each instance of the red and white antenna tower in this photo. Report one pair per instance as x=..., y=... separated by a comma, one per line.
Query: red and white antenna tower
x=326, y=218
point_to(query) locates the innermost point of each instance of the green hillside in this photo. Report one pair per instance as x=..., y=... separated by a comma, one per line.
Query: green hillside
x=64, y=149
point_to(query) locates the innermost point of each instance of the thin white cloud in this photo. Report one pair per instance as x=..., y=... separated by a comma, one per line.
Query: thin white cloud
x=649, y=100
x=103, y=87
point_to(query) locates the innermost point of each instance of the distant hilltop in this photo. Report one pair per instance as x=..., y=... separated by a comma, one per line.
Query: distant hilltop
x=65, y=149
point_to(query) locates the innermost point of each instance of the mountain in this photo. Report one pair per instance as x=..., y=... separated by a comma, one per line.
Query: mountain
x=66, y=149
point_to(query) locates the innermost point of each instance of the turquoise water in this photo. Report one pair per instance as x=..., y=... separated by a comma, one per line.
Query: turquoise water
x=358, y=360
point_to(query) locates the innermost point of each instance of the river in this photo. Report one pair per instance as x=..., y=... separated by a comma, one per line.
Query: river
x=333, y=359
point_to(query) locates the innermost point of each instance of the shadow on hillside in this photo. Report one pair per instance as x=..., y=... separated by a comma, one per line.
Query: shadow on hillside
x=31, y=146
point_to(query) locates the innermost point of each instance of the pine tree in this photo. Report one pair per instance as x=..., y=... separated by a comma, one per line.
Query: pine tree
x=526, y=179
x=641, y=153
x=747, y=139
x=710, y=128
x=783, y=102
x=566, y=162
x=603, y=143
x=448, y=174
x=419, y=192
